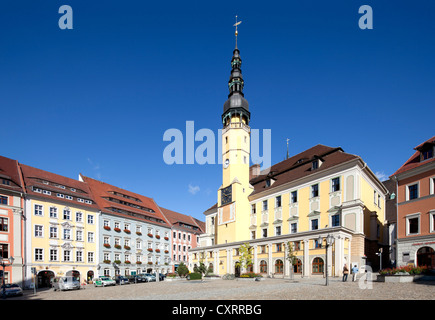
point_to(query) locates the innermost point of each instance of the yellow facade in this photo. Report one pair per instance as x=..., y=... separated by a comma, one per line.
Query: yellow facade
x=355, y=198
x=63, y=239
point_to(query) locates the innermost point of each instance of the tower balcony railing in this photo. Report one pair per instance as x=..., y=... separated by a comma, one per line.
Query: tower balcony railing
x=236, y=125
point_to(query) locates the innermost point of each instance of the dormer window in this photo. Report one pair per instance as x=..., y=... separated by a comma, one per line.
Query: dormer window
x=316, y=163
x=269, y=182
x=427, y=153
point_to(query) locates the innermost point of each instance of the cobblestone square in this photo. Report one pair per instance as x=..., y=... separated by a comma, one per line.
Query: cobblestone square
x=266, y=289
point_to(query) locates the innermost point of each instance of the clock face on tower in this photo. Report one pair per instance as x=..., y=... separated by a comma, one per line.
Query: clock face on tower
x=226, y=195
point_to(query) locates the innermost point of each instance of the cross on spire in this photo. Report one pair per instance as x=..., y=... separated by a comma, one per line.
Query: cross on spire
x=236, y=33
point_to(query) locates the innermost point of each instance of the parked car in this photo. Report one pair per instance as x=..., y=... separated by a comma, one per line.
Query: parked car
x=161, y=276
x=65, y=283
x=104, y=281
x=121, y=280
x=149, y=277
x=12, y=290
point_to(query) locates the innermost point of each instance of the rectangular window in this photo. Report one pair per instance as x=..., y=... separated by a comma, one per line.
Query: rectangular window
x=314, y=224
x=252, y=235
x=335, y=184
x=90, y=237
x=90, y=257
x=39, y=255
x=294, y=196
x=413, y=225
x=4, y=224
x=53, y=212
x=38, y=210
x=53, y=254
x=79, y=235
x=38, y=231
x=79, y=217
x=264, y=205
x=4, y=251
x=413, y=191
x=278, y=202
x=66, y=214
x=91, y=220
x=79, y=256
x=253, y=209
x=53, y=232
x=314, y=190
x=294, y=227
x=67, y=234
x=335, y=220
x=3, y=200
x=278, y=231
x=67, y=255
x=265, y=233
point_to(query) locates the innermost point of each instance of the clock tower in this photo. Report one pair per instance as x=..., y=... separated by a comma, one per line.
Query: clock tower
x=233, y=203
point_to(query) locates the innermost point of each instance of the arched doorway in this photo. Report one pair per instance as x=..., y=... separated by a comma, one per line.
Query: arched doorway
x=426, y=257
x=44, y=278
x=89, y=276
x=237, y=269
x=73, y=273
x=279, y=266
x=317, y=265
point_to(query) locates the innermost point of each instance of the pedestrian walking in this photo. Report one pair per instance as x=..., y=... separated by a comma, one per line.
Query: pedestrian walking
x=345, y=272
x=354, y=272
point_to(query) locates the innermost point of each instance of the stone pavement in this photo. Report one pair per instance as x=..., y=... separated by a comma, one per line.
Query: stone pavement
x=266, y=289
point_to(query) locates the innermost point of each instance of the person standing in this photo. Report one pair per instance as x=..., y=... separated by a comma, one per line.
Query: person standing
x=345, y=272
x=354, y=272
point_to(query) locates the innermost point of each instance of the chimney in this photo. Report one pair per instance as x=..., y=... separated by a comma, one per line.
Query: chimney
x=254, y=171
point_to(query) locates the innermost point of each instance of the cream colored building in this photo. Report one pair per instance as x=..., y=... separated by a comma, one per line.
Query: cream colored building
x=319, y=192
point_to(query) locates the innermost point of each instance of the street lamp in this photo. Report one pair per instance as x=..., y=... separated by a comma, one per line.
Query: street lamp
x=3, y=264
x=329, y=241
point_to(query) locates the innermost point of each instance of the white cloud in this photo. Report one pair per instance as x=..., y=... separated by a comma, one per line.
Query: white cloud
x=381, y=175
x=193, y=189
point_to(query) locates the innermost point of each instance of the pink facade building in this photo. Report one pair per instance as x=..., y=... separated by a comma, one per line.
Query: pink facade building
x=185, y=231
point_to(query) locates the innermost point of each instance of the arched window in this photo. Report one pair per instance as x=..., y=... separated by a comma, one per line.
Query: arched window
x=250, y=268
x=263, y=266
x=279, y=266
x=318, y=265
x=426, y=257
x=297, y=267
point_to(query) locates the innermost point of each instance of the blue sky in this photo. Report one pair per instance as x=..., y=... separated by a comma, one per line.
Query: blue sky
x=97, y=99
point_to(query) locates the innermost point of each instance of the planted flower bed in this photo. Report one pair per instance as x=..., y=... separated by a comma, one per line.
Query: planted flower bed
x=402, y=274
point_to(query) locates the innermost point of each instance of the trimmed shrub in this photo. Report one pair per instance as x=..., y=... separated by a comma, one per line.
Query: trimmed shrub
x=195, y=276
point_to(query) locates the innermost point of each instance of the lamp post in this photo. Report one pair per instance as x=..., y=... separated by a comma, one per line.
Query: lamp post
x=329, y=241
x=3, y=264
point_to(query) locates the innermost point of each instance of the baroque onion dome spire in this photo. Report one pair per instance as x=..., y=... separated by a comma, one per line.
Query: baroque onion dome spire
x=236, y=103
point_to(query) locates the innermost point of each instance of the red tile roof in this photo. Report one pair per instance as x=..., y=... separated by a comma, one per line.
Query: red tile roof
x=299, y=166
x=110, y=198
x=10, y=172
x=34, y=177
x=179, y=219
x=414, y=160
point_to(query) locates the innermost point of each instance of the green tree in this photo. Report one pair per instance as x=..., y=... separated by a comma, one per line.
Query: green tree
x=291, y=257
x=245, y=252
x=182, y=270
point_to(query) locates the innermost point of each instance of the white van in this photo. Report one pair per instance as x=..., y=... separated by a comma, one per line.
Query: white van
x=65, y=283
